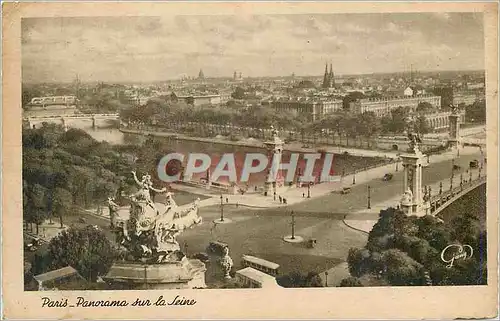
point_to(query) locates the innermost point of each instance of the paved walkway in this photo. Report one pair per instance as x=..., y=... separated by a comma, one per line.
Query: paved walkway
x=47, y=230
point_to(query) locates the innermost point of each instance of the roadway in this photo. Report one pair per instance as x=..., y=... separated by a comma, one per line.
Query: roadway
x=259, y=232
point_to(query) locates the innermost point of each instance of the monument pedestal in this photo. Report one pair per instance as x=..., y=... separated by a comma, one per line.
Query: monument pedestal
x=184, y=274
x=416, y=209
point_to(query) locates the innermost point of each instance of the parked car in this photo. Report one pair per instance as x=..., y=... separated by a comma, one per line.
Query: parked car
x=345, y=190
x=387, y=177
x=456, y=167
x=312, y=243
x=474, y=164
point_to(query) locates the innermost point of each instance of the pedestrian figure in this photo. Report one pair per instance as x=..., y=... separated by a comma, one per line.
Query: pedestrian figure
x=280, y=199
x=227, y=200
x=303, y=195
x=236, y=204
x=255, y=188
x=284, y=201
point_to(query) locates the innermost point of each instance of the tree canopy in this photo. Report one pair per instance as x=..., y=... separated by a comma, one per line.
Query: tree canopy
x=85, y=249
x=66, y=169
x=405, y=250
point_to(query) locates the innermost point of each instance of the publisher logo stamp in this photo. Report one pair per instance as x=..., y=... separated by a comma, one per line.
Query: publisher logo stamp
x=456, y=252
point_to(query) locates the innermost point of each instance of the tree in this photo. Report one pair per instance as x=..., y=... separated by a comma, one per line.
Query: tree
x=422, y=124
x=424, y=107
x=313, y=280
x=400, y=269
x=298, y=280
x=351, y=282
x=476, y=112
x=239, y=93
x=398, y=120
x=86, y=249
x=351, y=97
x=61, y=203
x=36, y=209
x=446, y=94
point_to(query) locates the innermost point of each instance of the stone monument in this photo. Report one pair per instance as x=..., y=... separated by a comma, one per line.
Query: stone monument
x=150, y=254
x=274, y=178
x=226, y=263
x=412, y=201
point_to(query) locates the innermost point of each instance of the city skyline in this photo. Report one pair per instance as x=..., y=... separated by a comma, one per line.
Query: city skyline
x=145, y=49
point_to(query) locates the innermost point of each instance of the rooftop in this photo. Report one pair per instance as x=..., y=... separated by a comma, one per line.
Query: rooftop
x=260, y=261
x=56, y=274
x=257, y=276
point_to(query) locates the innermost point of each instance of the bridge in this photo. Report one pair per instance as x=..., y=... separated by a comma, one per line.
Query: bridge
x=68, y=120
x=443, y=199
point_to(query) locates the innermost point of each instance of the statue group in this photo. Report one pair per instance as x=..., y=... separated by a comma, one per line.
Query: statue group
x=149, y=233
x=412, y=133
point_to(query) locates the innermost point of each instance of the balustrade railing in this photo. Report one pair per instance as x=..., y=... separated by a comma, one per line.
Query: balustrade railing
x=441, y=198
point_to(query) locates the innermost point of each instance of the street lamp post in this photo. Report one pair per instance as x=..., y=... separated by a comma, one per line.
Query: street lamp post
x=470, y=176
x=452, y=167
x=326, y=278
x=440, y=187
x=369, y=203
x=293, y=226
x=309, y=190
x=221, y=208
x=354, y=178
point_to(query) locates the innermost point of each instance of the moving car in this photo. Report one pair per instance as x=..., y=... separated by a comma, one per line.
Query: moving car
x=387, y=177
x=474, y=164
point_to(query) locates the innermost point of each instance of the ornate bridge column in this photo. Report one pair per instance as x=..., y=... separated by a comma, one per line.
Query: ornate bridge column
x=275, y=151
x=454, y=128
x=412, y=201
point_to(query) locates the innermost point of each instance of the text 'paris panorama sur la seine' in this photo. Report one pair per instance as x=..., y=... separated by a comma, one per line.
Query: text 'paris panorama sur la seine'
x=82, y=302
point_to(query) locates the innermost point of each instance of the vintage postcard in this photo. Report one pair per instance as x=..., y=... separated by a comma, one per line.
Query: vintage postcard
x=250, y=160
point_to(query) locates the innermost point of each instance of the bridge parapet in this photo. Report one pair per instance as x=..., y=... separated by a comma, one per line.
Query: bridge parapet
x=441, y=201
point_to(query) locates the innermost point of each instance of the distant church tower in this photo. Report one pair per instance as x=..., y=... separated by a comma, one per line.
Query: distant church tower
x=332, y=77
x=328, y=78
x=326, y=81
x=201, y=75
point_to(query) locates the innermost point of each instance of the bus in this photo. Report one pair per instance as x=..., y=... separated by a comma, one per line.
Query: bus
x=260, y=264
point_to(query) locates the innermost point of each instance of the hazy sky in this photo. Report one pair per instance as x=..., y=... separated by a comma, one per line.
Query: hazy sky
x=159, y=48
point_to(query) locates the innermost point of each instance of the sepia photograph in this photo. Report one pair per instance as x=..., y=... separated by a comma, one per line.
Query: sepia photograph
x=260, y=151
